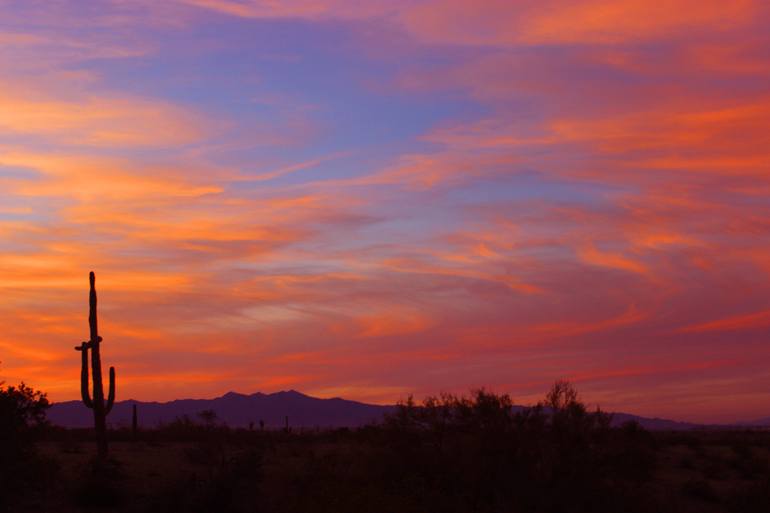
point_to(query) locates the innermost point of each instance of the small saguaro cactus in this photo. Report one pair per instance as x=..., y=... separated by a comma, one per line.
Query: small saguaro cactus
x=96, y=401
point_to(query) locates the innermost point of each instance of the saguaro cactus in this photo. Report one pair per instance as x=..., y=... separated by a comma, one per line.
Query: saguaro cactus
x=96, y=401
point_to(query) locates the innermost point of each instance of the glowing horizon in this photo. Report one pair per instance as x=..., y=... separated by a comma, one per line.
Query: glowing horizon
x=378, y=199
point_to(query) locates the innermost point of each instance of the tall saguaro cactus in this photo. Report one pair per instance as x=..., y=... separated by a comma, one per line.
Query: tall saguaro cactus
x=96, y=401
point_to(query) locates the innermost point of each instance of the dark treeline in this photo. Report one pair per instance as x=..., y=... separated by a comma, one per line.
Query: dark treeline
x=447, y=454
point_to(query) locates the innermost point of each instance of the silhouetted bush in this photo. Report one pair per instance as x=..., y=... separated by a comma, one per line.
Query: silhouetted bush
x=478, y=453
x=24, y=475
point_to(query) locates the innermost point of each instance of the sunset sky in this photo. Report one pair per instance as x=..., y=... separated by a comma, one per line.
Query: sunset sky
x=372, y=199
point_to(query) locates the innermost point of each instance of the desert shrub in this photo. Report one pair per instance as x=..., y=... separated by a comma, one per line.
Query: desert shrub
x=21, y=408
x=632, y=451
x=477, y=453
x=24, y=475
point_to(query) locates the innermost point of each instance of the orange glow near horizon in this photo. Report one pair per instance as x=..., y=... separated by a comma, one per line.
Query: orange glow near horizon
x=391, y=198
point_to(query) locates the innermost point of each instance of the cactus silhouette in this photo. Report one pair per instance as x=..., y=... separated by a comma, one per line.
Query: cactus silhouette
x=96, y=402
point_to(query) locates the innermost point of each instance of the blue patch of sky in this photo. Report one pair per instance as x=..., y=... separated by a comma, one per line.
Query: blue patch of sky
x=236, y=70
x=15, y=207
x=528, y=185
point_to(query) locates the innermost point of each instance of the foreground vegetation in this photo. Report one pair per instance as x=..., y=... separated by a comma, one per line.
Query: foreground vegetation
x=449, y=454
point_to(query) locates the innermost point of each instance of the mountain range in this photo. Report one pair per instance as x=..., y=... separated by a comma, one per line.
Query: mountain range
x=234, y=409
x=239, y=410
x=765, y=422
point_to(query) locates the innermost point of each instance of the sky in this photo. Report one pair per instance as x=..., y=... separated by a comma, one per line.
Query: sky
x=382, y=198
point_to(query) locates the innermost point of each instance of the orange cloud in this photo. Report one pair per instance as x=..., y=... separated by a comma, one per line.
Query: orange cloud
x=565, y=329
x=612, y=260
x=734, y=323
x=697, y=140
x=397, y=321
x=500, y=22
x=96, y=121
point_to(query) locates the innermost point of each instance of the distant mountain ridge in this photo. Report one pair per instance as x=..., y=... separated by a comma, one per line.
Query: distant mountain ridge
x=765, y=422
x=239, y=410
x=236, y=410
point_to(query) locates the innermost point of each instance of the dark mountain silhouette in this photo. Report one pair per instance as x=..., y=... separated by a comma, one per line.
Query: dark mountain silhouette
x=758, y=423
x=654, y=423
x=239, y=410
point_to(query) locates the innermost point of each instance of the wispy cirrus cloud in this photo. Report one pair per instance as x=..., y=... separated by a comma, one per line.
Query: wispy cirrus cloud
x=97, y=121
x=560, y=22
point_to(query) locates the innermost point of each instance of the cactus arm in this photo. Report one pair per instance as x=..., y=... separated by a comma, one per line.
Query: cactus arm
x=111, y=393
x=84, y=376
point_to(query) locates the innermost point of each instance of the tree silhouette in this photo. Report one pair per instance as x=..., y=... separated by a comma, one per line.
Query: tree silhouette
x=209, y=417
x=561, y=396
x=22, y=471
x=20, y=408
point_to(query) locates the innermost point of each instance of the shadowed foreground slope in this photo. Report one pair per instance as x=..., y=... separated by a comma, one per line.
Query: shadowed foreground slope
x=449, y=455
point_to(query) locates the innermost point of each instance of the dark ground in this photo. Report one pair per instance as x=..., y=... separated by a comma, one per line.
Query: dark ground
x=364, y=471
x=448, y=455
